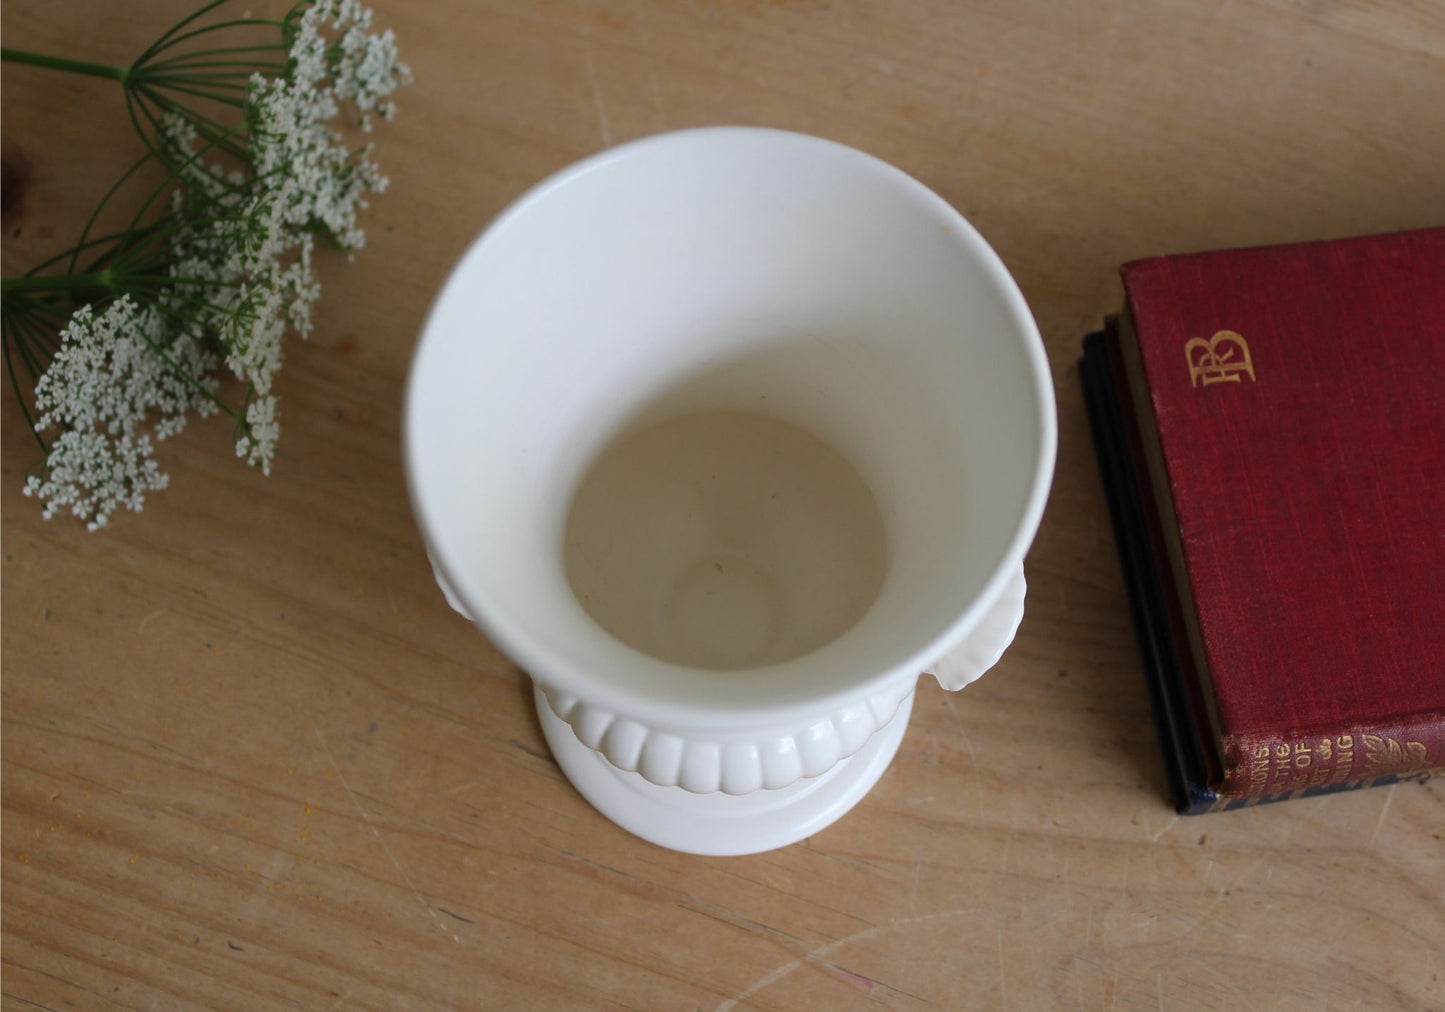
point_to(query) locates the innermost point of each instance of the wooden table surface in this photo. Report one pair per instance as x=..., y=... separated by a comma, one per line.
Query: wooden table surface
x=252, y=760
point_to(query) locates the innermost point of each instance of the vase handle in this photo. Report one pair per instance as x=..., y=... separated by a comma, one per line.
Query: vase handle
x=981, y=649
x=451, y=595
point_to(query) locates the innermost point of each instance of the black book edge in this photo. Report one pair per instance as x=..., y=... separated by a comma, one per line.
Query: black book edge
x=1183, y=752
x=1183, y=759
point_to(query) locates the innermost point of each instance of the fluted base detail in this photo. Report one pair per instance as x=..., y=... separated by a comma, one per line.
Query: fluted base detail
x=719, y=823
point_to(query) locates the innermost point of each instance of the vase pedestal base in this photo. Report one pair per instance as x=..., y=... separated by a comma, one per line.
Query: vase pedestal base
x=721, y=824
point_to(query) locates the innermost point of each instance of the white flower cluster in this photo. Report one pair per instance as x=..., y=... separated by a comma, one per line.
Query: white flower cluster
x=240, y=273
x=367, y=69
x=105, y=382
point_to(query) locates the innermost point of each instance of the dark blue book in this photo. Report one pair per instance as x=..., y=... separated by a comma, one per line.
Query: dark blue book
x=1184, y=759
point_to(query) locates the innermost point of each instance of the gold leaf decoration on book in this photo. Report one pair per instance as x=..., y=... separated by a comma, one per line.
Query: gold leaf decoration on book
x=1221, y=359
x=1388, y=752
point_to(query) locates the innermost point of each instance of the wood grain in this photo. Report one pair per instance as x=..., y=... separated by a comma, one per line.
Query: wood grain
x=252, y=761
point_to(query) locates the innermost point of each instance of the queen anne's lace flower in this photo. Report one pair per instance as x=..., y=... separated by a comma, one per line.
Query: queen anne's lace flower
x=240, y=271
x=258, y=445
x=104, y=382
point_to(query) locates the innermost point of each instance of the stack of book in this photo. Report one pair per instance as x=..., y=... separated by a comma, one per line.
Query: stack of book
x=1270, y=425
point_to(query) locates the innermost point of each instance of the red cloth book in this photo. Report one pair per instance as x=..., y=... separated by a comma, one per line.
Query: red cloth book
x=1289, y=404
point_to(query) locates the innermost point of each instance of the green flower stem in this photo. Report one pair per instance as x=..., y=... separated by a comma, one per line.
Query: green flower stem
x=186, y=89
x=19, y=397
x=169, y=38
x=104, y=280
x=73, y=254
x=90, y=222
x=210, y=131
x=222, y=56
x=30, y=337
x=212, y=69
x=196, y=33
x=228, y=82
x=133, y=102
x=61, y=63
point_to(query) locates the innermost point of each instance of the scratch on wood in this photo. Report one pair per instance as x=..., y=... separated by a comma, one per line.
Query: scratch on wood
x=602, y=124
x=1008, y=841
x=815, y=956
x=1002, y=977
x=529, y=750
x=361, y=810
x=1384, y=809
x=962, y=734
x=1240, y=879
x=661, y=116
x=590, y=65
x=649, y=56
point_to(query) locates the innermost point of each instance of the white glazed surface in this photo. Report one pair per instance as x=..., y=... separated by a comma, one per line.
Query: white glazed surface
x=753, y=759
x=722, y=824
x=985, y=644
x=697, y=270
x=763, y=758
x=756, y=758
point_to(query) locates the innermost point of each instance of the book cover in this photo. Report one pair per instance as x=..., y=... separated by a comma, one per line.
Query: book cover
x=1289, y=409
x=1191, y=756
